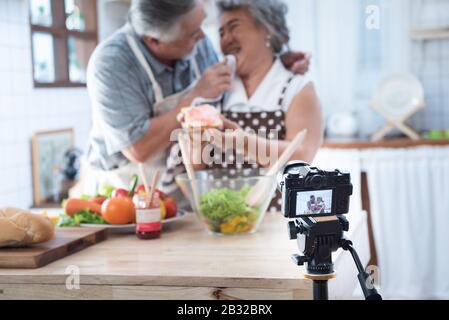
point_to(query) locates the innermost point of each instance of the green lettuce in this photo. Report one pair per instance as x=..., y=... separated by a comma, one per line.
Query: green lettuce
x=221, y=205
x=79, y=218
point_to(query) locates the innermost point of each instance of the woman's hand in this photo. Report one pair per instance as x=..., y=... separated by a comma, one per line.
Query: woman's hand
x=229, y=124
x=199, y=141
x=227, y=135
x=244, y=143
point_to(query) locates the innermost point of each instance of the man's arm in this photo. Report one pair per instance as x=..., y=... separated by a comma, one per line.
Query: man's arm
x=215, y=81
x=157, y=138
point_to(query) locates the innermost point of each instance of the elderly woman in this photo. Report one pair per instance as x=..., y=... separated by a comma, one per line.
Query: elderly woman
x=265, y=98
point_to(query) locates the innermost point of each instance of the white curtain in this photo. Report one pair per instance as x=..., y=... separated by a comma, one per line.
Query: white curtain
x=410, y=214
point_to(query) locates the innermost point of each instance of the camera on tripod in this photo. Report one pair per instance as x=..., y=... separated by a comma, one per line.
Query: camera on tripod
x=310, y=191
x=317, y=201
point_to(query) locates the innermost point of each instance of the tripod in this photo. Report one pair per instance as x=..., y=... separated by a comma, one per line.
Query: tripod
x=322, y=237
x=320, y=285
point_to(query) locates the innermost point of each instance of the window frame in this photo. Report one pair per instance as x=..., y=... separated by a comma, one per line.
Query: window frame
x=60, y=35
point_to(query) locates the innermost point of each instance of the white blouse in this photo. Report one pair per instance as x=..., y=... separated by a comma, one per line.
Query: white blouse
x=266, y=97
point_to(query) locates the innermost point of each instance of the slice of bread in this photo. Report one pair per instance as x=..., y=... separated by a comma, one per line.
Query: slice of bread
x=202, y=117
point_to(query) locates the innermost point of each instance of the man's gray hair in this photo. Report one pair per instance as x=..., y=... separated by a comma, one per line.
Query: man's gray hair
x=159, y=19
x=267, y=13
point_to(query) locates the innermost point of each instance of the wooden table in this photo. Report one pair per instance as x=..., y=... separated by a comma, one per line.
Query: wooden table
x=186, y=263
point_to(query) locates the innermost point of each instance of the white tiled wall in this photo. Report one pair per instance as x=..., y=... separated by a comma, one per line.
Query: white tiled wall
x=430, y=62
x=25, y=110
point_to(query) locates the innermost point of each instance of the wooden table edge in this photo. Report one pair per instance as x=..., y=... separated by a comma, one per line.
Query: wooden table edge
x=172, y=281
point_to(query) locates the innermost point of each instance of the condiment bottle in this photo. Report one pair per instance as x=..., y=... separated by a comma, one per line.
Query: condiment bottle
x=148, y=217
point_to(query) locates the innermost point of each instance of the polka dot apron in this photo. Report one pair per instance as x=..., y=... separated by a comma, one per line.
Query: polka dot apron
x=270, y=123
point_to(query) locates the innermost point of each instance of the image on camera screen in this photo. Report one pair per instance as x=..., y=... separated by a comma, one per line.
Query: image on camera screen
x=314, y=202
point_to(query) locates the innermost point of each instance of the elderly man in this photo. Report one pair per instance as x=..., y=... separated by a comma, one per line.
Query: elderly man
x=140, y=78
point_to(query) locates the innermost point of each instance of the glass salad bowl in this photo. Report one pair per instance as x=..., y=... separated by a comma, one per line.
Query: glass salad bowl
x=220, y=198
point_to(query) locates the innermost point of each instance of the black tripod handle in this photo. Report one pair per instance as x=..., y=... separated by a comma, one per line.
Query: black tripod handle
x=369, y=293
x=363, y=276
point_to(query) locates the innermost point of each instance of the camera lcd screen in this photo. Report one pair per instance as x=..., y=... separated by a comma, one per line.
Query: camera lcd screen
x=316, y=202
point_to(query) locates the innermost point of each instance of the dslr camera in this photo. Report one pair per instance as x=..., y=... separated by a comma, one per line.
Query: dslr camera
x=309, y=191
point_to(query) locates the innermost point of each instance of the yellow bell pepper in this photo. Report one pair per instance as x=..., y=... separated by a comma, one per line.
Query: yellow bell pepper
x=238, y=224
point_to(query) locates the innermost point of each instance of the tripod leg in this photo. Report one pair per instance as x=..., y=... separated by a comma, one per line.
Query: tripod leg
x=320, y=291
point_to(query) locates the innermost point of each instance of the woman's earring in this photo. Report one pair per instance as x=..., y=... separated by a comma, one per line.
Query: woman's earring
x=268, y=42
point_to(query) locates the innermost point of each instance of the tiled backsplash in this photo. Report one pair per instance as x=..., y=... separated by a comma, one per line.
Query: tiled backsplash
x=25, y=110
x=430, y=62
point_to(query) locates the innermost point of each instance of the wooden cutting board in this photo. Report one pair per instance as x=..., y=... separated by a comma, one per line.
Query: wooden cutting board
x=66, y=242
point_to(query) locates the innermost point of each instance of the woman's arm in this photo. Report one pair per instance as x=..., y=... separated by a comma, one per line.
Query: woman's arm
x=304, y=113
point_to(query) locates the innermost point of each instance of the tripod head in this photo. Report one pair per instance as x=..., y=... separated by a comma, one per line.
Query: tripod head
x=321, y=237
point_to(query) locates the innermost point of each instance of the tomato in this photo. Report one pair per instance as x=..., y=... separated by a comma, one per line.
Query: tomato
x=98, y=200
x=119, y=193
x=170, y=207
x=118, y=210
x=163, y=211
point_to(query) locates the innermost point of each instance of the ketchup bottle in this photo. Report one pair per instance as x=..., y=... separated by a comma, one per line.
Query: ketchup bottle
x=148, y=217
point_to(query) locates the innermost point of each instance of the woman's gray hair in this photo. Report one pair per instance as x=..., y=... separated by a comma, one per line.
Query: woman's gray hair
x=159, y=19
x=267, y=13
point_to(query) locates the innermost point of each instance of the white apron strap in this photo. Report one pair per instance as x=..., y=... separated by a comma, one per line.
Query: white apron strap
x=283, y=92
x=140, y=57
x=196, y=69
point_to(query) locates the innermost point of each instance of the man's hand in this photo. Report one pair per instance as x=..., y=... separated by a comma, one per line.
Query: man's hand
x=215, y=81
x=296, y=61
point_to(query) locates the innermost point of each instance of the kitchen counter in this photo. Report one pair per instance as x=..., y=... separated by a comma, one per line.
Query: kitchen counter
x=187, y=263
x=386, y=143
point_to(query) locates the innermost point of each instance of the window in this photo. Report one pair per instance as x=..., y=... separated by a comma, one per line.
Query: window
x=63, y=37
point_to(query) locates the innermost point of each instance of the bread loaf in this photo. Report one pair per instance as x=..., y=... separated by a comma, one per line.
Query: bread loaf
x=21, y=228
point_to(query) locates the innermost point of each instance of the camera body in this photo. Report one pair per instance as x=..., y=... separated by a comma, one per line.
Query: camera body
x=311, y=192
